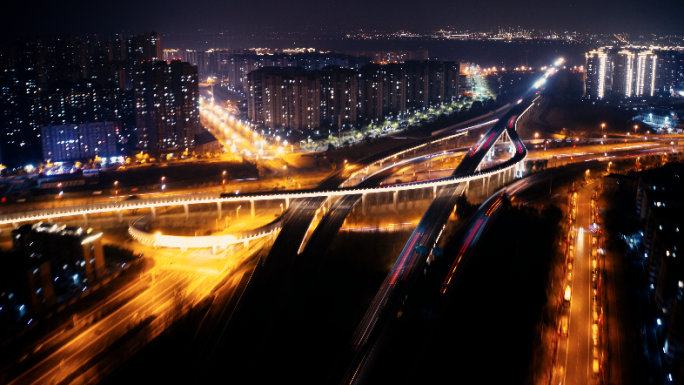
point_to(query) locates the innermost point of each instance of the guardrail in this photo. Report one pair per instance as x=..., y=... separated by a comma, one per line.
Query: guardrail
x=153, y=203
x=215, y=242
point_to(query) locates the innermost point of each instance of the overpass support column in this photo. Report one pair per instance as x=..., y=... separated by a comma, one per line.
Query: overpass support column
x=363, y=204
x=154, y=212
x=15, y=225
x=120, y=216
x=213, y=248
x=187, y=211
x=489, y=180
x=434, y=192
x=85, y=219
x=251, y=204
x=287, y=203
x=246, y=244
x=394, y=200
x=467, y=187
x=499, y=176
x=218, y=206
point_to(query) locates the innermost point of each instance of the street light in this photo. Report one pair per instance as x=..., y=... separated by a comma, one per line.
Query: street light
x=536, y=134
x=603, y=125
x=635, y=128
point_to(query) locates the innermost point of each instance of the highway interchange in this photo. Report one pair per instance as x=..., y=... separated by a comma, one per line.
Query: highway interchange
x=280, y=285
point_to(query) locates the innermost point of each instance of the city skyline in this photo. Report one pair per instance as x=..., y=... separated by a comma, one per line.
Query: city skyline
x=634, y=17
x=342, y=193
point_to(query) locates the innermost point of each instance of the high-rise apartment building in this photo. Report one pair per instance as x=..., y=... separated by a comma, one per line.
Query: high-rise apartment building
x=646, y=64
x=598, y=71
x=418, y=85
x=305, y=101
x=167, y=105
x=632, y=71
x=371, y=92
x=452, y=79
x=623, y=75
x=394, y=89
x=339, y=91
x=79, y=141
x=666, y=70
x=285, y=98
x=291, y=97
x=145, y=47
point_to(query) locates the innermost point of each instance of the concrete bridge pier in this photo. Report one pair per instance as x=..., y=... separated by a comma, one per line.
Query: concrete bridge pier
x=251, y=204
x=246, y=244
x=394, y=200
x=85, y=219
x=434, y=192
x=187, y=211
x=363, y=204
x=287, y=203
x=218, y=206
x=154, y=212
x=120, y=216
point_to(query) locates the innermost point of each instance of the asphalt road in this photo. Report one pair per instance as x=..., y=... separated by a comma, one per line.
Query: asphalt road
x=282, y=285
x=362, y=348
x=578, y=346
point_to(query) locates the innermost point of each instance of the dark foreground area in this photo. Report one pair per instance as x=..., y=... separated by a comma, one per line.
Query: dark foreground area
x=488, y=332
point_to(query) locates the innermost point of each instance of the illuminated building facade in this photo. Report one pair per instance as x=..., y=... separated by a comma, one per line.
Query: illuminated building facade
x=292, y=97
x=59, y=259
x=632, y=71
x=166, y=105
x=79, y=141
x=339, y=91
x=285, y=98
x=645, y=73
x=623, y=77
x=598, y=74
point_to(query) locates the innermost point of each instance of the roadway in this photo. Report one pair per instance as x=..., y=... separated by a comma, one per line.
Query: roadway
x=575, y=352
x=350, y=366
x=263, y=317
x=95, y=205
x=191, y=276
x=405, y=345
x=411, y=341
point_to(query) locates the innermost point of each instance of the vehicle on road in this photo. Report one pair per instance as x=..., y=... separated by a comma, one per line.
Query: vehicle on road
x=564, y=326
x=568, y=294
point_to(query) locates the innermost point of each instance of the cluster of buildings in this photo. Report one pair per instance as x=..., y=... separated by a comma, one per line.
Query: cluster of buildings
x=517, y=33
x=232, y=66
x=660, y=205
x=297, y=98
x=65, y=98
x=633, y=72
x=50, y=264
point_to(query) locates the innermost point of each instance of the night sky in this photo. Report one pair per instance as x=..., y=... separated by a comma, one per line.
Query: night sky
x=22, y=17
